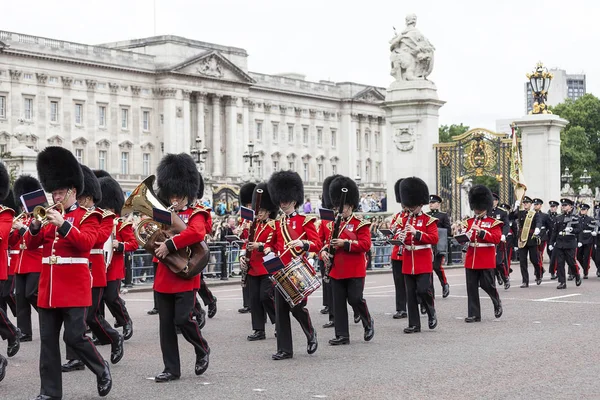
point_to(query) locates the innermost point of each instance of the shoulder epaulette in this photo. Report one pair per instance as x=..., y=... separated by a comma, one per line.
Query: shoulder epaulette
x=107, y=213
x=271, y=224
x=503, y=209
x=362, y=222
x=4, y=208
x=431, y=220
x=330, y=225
x=308, y=218
x=198, y=210
x=124, y=224
x=496, y=222
x=89, y=212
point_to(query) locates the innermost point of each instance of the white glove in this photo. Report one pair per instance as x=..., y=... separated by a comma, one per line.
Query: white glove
x=594, y=233
x=517, y=203
x=536, y=231
x=579, y=244
x=568, y=229
x=550, y=247
x=503, y=238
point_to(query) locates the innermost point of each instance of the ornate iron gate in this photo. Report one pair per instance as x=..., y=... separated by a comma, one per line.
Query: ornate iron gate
x=478, y=152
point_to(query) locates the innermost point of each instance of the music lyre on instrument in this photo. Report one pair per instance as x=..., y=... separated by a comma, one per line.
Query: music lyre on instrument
x=335, y=234
x=251, y=233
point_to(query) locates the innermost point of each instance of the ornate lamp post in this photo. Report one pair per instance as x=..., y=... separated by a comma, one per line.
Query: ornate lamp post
x=566, y=178
x=539, y=81
x=199, y=155
x=250, y=156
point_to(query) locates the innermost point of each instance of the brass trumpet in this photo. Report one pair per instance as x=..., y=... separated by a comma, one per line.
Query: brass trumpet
x=20, y=217
x=39, y=213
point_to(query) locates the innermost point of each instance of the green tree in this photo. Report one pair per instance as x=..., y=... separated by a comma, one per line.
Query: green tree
x=447, y=132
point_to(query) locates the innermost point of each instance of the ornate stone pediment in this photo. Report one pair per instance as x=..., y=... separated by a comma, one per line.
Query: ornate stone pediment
x=147, y=146
x=56, y=140
x=4, y=136
x=103, y=144
x=369, y=95
x=80, y=141
x=276, y=156
x=126, y=145
x=212, y=65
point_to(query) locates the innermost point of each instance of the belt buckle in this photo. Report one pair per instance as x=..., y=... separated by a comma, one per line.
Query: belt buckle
x=54, y=260
x=22, y=246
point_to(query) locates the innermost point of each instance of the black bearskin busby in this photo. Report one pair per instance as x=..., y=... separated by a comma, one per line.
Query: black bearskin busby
x=397, y=190
x=265, y=200
x=335, y=192
x=286, y=186
x=480, y=198
x=177, y=175
x=91, y=186
x=414, y=192
x=100, y=173
x=325, y=199
x=23, y=185
x=112, y=195
x=58, y=168
x=4, y=182
x=10, y=202
x=200, y=193
x=246, y=191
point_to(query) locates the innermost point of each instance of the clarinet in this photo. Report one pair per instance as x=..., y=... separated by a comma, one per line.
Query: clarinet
x=251, y=233
x=335, y=235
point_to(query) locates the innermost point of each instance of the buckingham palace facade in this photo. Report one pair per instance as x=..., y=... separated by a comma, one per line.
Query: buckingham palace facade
x=121, y=106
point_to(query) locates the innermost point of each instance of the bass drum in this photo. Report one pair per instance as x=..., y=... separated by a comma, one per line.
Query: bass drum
x=108, y=250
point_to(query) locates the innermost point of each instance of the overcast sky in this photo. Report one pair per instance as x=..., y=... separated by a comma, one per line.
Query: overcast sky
x=483, y=47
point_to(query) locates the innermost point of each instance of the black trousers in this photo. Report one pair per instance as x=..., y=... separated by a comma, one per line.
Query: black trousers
x=128, y=268
x=205, y=293
x=175, y=310
x=350, y=290
x=399, y=285
x=438, y=268
x=51, y=321
x=26, y=286
x=246, y=296
x=565, y=256
x=584, y=255
x=533, y=257
x=155, y=267
x=418, y=287
x=262, y=303
x=283, y=323
x=7, y=330
x=502, y=261
x=7, y=295
x=487, y=280
x=114, y=302
x=99, y=326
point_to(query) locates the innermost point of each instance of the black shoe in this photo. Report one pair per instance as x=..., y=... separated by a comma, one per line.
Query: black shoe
x=201, y=319
x=339, y=340
x=324, y=310
x=117, y=351
x=128, y=331
x=412, y=329
x=423, y=309
x=538, y=281
x=578, y=280
x=553, y=276
x=473, y=319
x=369, y=331
x=201, y=364
x=244, y=310
x=44, y=397
x=570, y=278
x=281, y=355
x=165, y=377
x=446, y=291
x=400, y=315
x=562, y=285
x=14, y=345
x=329, y=324
x=498, y=310
x=154, y=311
x=356, y=318
x=312, y=344
x=117, y=325
x=433, y=321
x=506, y=284
x=584, y=277
x=72, y=365
x=524, y=285
x=257, y=335
x=499, y=278
x=25, y=338
x=212, y=308
x=3, y=364
x=104, y=381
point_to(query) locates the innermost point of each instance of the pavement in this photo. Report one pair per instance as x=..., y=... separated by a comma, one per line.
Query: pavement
x=542, y=347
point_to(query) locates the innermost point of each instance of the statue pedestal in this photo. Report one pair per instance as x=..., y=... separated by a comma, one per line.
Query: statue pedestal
x=411, y=131
x=540, y=139
x=22, y=159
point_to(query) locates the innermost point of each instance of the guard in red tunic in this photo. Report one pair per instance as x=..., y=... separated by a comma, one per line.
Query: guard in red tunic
x=7, y=286
x=177, y=179
x=396, y=256
x=245, y=199
x=418, y=232
x=123, y=240
x=349, y=262
x=26, y=262
x=101, y=329
x=262, y=303
x=65, y=287
x=295, y=236
x=484, y=233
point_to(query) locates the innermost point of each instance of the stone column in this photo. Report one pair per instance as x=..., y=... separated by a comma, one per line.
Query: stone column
x=200, y=102
x=540, y=138
x=172, y=112
x=352, y=149
x=232, y=145
x=216, y=148
x=185, y=143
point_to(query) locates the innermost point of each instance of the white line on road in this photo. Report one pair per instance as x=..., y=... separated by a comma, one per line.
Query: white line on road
x=558, y=297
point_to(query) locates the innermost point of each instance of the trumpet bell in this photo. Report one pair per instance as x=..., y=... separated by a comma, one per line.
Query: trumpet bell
x=39, y=212
x=143, y=199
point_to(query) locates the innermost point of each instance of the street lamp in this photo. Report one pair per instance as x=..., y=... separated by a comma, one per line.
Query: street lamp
x=585, y=178
x=539, y=81
x=566, y=177
x=357, y=180
x=250, y=156
x=199, y=154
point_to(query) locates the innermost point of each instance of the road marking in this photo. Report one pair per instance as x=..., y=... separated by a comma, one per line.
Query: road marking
x=577, y=324
x=537, y=322
x=320, y=396
x=258, y=390
x=558, y=297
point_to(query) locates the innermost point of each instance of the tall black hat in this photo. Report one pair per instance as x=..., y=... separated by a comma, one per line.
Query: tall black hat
x=23, y=185
x=100, y=173
x=58, y=168
x=4, y=182
x=177, y=175
x=200, y=193
x=335, y=192
x=414, y=192
x=265, y=200
x=91, y=186
x=397, y=190
x=246, y=191
x=325, y=199
x=10, y=202
x=480, y=198
x=286, y=186
x=112, y=195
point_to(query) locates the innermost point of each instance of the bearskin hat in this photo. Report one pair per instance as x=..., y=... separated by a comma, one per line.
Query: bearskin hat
x=325, y=199
x=177, y=175
x=397, y=190
x=4, y=182
x=335, y=192
x=286, y=186
x=200, y=193
x=100, y=173
x=480, y=198
x=112, y=195
x=58, y=168
x=265, y=200
x=246, y=192
x=23, y=185
x=10, y=202
x=414, y=192
x=91, y=186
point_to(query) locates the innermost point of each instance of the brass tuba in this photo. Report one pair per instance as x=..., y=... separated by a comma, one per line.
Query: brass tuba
x=187, y=262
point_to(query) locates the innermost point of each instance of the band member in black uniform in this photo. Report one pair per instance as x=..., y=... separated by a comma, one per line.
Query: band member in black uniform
x=564, y=242
x=245, y=199
x=587, y=240
x=439, y=258
x=528, y=239
x=511, y=237
x=396, y=258
x=502, y=249
x=545, y=230
x=552, y=214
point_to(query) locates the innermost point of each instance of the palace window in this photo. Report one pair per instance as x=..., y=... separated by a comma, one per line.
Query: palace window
x=305, y=171
x=358, y=139
x=366, y=140
x=28, y=76
x=291, y=133
x=78, y=114
x=146, y=164
x=28, y=108
x=333, y=169
x=275, y=132
x=146, y=120
x=54, y=111
x=305, y=135
x=376, y=137
x=102, y=159
x=319, y=136
x=258, y=131
x=53, y=79
x=320, y=172
x=333, y=138
x=291, y=165
x=124, y=163
x=124, y=118
x=259, y=168
x=358, y=168
x=79, y=155
x=275, y=166
x=102, y=116
x=2, y=106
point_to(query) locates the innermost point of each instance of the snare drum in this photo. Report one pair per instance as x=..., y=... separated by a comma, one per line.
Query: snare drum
x=296, y=281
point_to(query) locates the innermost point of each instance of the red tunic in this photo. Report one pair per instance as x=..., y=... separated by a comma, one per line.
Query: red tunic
x=350, y=261
x=396, y=227
x=417, y=254
x=295, y=226
x=481, y=253
x=127, y=242
x=6, y=218
x=207, y=229
x=167, y=281
x=263, y=234
x=324, y=234
x=66, y=285
x=97, y=253
x=22, y=259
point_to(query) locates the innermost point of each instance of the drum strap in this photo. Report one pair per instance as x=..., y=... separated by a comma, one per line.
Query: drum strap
x=526, y=228
x=287, y=237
